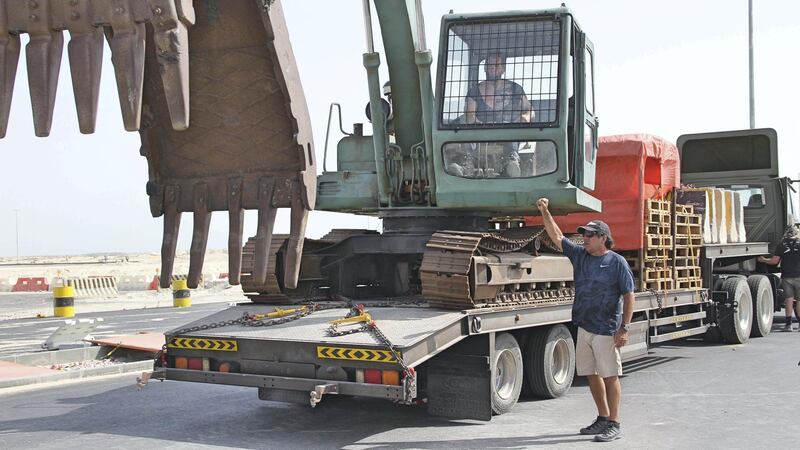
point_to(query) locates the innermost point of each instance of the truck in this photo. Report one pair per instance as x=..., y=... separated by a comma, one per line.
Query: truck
x=440, y=308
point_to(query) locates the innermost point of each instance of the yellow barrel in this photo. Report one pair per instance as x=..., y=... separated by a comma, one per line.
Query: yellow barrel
x=181, y=295
x=64, y=301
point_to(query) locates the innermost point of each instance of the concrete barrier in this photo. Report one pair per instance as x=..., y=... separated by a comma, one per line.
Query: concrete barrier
x=31, y=284
x=6, y=284
x=94, y=286
x=133, y=283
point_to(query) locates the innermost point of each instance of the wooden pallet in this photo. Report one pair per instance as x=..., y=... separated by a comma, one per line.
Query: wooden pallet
x=688, y=283
x=657, y=241
x=687, y=272
x=657, y=285
x=686, y=261
x=683, y=209
x=688, y=229
x=688, y=219
x=656, y=273
x=686, y=241
x=687, y=252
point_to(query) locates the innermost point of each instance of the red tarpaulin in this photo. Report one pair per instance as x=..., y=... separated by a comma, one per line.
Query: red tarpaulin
x=630, y=169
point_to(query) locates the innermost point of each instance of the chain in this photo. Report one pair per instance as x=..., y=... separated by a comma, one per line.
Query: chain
x=658, y=300
x=371, y=327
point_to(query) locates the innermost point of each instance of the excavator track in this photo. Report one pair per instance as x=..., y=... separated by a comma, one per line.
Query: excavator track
x=454, y=266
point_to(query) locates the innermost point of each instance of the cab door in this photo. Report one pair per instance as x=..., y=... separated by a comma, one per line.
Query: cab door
x=585, y=141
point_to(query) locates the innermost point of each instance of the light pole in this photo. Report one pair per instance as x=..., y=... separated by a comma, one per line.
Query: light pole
x=16, y=230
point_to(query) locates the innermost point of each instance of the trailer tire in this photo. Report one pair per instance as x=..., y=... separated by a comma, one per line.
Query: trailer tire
x=735, y=324
x=507, y=374
x=550, y=361
x=763, y=303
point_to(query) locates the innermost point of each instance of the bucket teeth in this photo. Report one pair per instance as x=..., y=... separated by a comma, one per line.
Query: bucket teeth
x=172, y=224
x=85, y=63
x=202, y=221
x=266, y=222
x=85, y=51
x=9, y=57
x=43, y=55
x=124, y=24
x=235, y=230
x=294, y=246
x=171, y=36
x=127, y=54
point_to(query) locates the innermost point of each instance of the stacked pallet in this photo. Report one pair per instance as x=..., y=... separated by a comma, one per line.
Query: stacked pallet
x=656, y=271
x=688, y=232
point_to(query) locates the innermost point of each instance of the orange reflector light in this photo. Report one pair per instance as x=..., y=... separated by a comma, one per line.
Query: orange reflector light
x=181, y=362
x=196, y=363
x=390, y=377
x=224, y=367
x=373, y=376
x=359, y=375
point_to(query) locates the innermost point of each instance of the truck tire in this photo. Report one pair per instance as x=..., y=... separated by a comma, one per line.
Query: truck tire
x=735, y=324
x=506, y=373
x=550, y=361
x=763, y=304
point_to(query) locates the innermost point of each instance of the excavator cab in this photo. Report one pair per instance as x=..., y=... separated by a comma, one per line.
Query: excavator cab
x=514, y=117
x=510, y=118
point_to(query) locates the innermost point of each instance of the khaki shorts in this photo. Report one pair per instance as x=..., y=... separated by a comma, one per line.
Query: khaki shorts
x=791, y=287
x=596, y=354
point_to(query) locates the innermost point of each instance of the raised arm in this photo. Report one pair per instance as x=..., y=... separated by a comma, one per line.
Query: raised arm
x=550, y=226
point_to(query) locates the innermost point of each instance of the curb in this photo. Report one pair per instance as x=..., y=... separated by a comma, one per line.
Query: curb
x=136, y=366
x=72, y=355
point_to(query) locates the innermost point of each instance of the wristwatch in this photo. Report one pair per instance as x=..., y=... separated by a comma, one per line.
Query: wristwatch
x=626, y=327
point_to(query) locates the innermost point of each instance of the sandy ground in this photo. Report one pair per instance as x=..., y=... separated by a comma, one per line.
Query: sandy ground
x=20, y=305
x=147, y=264
x=16, y=305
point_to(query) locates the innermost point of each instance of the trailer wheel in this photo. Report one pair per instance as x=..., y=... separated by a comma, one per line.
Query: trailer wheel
x=763, y=303
x=735, y=324
x=550, y=361
x=506, y=373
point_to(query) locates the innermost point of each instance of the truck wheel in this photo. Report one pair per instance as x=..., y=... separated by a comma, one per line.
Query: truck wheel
x=761, y=291
x=735, y=325
x=506, y=373
x=550, y=361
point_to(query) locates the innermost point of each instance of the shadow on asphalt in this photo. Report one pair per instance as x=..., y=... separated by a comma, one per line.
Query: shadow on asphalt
x=233, y=416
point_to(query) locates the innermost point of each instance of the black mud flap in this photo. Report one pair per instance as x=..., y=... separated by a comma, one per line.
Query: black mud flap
x=459, y=387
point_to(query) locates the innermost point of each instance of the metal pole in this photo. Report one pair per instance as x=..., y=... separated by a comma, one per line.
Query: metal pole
x=752, y=88
x=368, y=27
x=420, y=27
x=16, y=230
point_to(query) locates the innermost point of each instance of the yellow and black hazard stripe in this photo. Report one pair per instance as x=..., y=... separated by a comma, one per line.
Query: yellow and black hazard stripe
x=64, y=301
x=355, y=354
x=221, y=345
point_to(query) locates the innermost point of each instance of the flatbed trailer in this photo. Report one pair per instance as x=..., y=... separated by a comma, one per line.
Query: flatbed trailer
x=455, y=361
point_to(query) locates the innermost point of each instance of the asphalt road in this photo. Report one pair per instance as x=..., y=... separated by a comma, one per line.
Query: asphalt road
x=26, y=335
x=685, y=395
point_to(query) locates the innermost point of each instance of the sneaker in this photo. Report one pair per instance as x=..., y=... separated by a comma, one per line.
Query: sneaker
x=612, y=432
x=787, y=326
x=597, y=427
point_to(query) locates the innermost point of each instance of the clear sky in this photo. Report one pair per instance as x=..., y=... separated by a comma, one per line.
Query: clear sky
x=663, y=68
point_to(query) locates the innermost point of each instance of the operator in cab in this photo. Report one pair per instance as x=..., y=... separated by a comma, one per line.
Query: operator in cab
x=497, y=100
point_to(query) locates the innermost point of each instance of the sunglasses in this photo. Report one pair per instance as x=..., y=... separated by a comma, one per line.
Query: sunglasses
x=590, y=234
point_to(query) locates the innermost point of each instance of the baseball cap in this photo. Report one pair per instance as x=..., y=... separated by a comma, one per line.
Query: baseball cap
x=596, y=226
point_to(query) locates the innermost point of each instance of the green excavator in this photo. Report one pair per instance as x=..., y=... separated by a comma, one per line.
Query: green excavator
x=213, y=89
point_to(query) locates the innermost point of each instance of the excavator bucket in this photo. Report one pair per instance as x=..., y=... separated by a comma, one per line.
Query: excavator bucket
x=227, y=64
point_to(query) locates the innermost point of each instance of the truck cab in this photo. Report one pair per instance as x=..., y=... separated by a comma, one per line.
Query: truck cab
x=745, y=161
